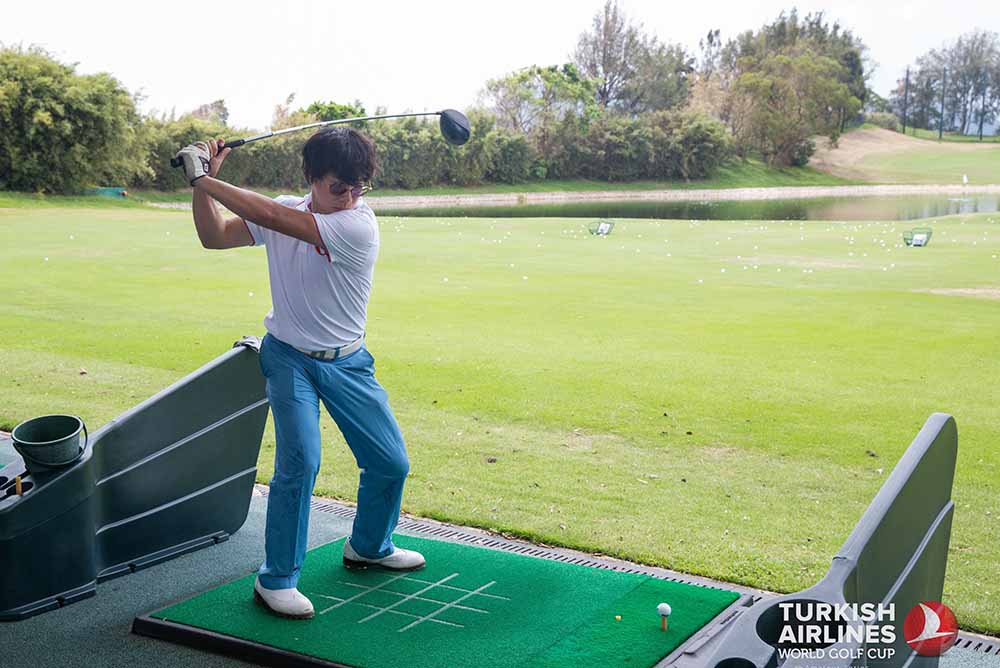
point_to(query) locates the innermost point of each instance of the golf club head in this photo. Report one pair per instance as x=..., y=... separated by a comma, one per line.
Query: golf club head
x=454, y=127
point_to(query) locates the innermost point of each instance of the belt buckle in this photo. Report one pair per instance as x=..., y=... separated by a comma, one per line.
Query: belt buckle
x=328, y=354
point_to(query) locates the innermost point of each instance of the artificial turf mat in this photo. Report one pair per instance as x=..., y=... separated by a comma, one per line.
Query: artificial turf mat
x=468, y=606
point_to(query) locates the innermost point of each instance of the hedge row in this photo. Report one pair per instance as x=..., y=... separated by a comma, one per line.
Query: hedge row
x=412, y=153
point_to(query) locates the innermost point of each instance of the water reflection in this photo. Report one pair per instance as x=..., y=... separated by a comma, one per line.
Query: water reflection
x=825, y=208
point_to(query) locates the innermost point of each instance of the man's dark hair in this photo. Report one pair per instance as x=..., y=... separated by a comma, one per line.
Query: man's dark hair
x=344, y=152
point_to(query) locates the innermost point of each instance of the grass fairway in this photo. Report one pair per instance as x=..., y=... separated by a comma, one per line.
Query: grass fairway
x=881, y=156
x=937, y=163
x=720, y=398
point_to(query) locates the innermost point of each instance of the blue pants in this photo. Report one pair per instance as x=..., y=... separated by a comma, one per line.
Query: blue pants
x=296, y=383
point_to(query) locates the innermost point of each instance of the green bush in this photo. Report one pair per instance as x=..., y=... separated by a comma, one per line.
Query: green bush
x=470, y=164
x=885, y=120
x=515, y=161
x=802, y=152
x=629, y=148
x=688, y=145
x=165, y=138
x=63, y=132
x=658, y=145
x=272, y=163
x=411, y=153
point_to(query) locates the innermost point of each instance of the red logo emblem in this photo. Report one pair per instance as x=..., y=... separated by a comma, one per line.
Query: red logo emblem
x=930, y=628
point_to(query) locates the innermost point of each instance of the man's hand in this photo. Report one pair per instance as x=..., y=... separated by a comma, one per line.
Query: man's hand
x=218, y=156
x=196, y=159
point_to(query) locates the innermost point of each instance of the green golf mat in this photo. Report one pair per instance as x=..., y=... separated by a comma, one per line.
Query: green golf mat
x=470, y=606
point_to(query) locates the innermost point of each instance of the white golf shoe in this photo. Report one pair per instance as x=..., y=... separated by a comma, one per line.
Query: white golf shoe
x=399, y=560
x=283, y=602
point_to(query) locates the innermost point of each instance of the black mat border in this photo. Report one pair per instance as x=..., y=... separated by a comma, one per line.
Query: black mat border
x=217, y=643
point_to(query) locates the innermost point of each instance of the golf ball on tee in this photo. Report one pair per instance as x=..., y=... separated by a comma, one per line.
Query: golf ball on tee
x=663, y=609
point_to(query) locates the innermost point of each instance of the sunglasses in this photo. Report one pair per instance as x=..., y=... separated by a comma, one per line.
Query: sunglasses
x=337, y=188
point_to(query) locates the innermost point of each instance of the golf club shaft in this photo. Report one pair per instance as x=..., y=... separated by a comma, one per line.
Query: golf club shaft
x=176, y=162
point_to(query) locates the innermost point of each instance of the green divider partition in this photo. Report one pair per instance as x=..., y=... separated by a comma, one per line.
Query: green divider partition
x=172, y=475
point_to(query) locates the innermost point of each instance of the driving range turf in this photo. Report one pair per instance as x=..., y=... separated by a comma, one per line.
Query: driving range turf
x=469, y=606
x=720, y=398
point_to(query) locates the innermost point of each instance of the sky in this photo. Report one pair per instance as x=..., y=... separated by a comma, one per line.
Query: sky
x=407, y=56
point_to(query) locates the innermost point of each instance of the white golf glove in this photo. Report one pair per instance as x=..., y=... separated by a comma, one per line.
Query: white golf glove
x=196, y=159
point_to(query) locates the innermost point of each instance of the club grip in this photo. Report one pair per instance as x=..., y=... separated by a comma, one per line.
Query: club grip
x=177, y=162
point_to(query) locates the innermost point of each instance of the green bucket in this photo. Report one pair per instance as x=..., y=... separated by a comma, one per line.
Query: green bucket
x=50, y=441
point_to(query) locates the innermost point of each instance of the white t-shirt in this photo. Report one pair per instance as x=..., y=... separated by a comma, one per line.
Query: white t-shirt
x=319, y=294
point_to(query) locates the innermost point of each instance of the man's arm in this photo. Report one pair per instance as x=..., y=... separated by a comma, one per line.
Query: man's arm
x=214, y=231
x=202, y=161
x=263, y=211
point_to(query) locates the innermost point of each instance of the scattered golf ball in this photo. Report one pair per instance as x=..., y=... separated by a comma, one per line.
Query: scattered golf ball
x=618, y=618
x=445, y=280
x=250, y=294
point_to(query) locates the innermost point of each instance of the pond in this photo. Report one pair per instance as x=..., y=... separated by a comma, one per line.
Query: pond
x=910, y=207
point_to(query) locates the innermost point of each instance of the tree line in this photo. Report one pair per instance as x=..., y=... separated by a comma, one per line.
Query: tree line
x=960, y=79
x=625, y=106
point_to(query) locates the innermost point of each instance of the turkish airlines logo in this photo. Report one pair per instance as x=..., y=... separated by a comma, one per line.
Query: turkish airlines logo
x=930, y=628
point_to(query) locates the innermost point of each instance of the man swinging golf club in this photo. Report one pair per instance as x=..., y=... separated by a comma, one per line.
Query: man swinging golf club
x=321, y=252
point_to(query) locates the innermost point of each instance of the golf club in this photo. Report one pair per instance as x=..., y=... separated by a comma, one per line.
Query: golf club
x=454, y=128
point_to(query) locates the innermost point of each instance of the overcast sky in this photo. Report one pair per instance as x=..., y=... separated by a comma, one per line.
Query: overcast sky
x=407, y=56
